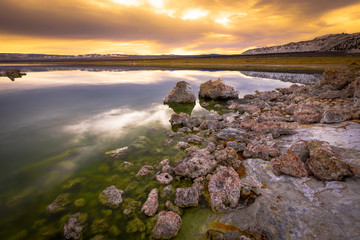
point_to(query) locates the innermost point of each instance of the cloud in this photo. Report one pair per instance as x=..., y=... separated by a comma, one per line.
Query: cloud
x=168, y=26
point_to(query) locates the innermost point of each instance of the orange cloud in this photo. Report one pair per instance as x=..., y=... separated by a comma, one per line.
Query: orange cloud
x=167, y=26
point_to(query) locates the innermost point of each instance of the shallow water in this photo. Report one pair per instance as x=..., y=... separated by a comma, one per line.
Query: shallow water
x=55, y=127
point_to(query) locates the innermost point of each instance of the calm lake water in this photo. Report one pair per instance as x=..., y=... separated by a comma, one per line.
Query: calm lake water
x=55, y=127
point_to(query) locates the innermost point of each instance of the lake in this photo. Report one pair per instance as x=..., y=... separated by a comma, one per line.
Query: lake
x=56, y=125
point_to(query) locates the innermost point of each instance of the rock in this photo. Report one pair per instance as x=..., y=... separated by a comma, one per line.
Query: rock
x=262, y=151
x=227, y=157
x=132, y=186
x=301, y=149
x=186, y=197
x=118, y=153
x=164, y=178
x=211, y=147
x=171, y=207
x=277, y=129
x=182, y=145
x=307, y=114
x=165, y=162
x=135, y=225
x=247, y=108
x=230, y=133
x=333, y=116
x=145, y=170
x=238, y=147
x=290, y=164
x=357, y=88
x=338, y=79
x=167, y=225
x=195, y=139
x=166, y=192
x=74, y=226
x=13, y=73
x=325, y=164
x=152, y=203
x=181, y=93
x=217, y=90
x=132, y=207
x=59, y=204
x=196, y=164
x=181, y=120
x=224, y=188
x=167, y=169
x=99, y=226
x=80, y=202
x=111, y=197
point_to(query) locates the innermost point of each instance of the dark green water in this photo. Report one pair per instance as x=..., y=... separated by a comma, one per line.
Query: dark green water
x=55, y=128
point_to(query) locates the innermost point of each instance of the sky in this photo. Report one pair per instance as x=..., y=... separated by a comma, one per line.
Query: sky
x=168, y=26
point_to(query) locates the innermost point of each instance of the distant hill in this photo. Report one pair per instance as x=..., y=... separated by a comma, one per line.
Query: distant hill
x=349, y=43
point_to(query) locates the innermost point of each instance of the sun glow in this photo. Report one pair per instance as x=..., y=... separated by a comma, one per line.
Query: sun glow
x=128, y=3
x=193, y=14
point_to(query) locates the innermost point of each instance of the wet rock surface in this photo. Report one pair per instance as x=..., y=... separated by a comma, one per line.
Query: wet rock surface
x=167, y=225
x=74, y=226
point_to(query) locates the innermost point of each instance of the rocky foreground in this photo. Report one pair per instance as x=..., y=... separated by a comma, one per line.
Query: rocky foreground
x=283, y=164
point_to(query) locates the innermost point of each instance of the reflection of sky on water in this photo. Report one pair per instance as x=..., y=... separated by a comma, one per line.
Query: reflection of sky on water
x=46, y=113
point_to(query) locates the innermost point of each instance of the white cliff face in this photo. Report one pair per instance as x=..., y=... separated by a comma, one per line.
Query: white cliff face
x=328, y=43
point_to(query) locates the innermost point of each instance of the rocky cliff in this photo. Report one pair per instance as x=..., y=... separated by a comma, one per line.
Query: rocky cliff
x=328, y=43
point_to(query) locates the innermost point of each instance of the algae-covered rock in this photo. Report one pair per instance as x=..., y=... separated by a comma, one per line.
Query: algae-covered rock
x=181, y=93
x=99, y=226
x=167, y=225
x=135, y=225
x=132, y=206
x=152, y=203
x=132, y=186
x=74, y=226
x=145, y=170
x=118, y=153
x=80, y=202
x=60, y=203
x=114, y=231
x=111, y=197
x=217, y=90
x=74, y=183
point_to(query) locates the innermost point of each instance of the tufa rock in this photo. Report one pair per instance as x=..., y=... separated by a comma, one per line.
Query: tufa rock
x=167, y=225
x=111, y=197
x=181, y=93
x=186, y=197
x=164, y=178
x=152, y=203
x=217, y=90
x=74, y=226
x=290, y=164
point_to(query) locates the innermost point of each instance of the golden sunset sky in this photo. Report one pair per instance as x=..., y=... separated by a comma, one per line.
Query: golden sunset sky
x=167, y=26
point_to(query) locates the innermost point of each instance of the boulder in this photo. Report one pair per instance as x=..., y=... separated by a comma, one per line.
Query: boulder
x=111, y=197
x=181, y=93
x=74, y=226
x=217, y=90
x=152, y=203
x=195, y=139
x=307, y=114
x=301, y=149
x=186, y=197
x=197, y=163
x=167, y=225
x=325, y=164
x=164, y=178
x=333, y=116
x=227, y=157
x=181, y=120
x=263, y=151
x=224, y=188
x=289, y=163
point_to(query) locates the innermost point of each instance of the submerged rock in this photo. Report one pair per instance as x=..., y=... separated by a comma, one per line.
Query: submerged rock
x=152, y=203
x=167, y=225
x=181, y=93
x=217, y=90
x=74, y=226
x=59, y=205
x=135, y=225
x=145, y=170
x=224, y=188
x=118, y=153
x=111, y=197
x=290, y=164
x=186, y=197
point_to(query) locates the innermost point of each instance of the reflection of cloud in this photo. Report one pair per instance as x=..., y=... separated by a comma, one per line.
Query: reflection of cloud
x=114, y=123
